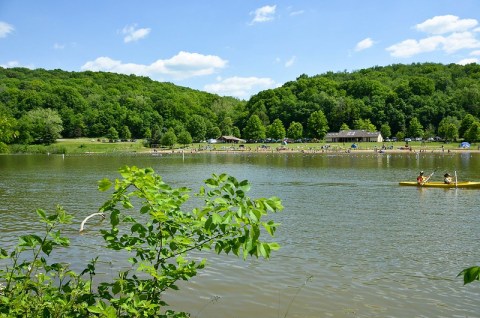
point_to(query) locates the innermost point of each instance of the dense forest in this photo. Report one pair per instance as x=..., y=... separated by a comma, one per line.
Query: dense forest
x=417, y=100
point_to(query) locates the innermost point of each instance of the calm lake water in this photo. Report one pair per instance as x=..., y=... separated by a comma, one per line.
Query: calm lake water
x=354, y=243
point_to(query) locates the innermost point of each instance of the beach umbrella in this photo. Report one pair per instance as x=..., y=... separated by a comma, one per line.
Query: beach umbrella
x=464, y=145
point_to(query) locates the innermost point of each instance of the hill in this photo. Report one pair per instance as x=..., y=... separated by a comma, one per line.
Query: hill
x=417, y=100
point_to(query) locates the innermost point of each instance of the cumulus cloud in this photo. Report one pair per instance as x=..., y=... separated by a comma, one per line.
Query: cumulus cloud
x=364, y=44
x=181, y=66
x=133, y=34
x=411, y=47
x=468, y=61
x=241, y=87
x=446, y=24
x=11, y=64
x=5, y=29
x=263, y=14
x=447, y=33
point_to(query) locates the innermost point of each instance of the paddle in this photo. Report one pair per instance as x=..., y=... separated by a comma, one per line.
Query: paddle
x=456, y=179
x=429, y=177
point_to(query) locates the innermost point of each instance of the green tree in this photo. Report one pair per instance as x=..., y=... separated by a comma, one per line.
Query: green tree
x=226, y=126
x=147, y=134
x=197, y=128
x=236, y=132
x=184, y=138
x=112, y=134
x=364, y=124
x=448, y=128
x=400, y=135
x=385, y=131
x=295, y=131
x=7, y=129
x=169, y=139
x=344, y=127
x=415, y=129
x=255, y=130
x=125, y=133
x=317, y=125
x=473, y=132
x=467, y=121
x=214, y=132
x=41, y=125
x=276, y=130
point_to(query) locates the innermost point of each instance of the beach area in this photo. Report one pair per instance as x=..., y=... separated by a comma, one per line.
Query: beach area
x=323, y=149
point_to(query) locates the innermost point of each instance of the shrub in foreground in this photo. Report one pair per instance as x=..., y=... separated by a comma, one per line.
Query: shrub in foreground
x=159, y=247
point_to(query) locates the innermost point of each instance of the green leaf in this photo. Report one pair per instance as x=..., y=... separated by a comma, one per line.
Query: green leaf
x=211, y=183
x=104, y=184
x=274, y=246
x=114, y=218
x=3, y=253
x=116, y=288
x=470, y=274
x=244, y=186
x=41, y=214
x=216, y=218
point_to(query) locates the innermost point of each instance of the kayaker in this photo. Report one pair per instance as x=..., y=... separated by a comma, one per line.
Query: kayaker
x=447, y=178
x=421, y=178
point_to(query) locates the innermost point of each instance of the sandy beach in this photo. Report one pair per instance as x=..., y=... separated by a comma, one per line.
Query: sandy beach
x=258, y=149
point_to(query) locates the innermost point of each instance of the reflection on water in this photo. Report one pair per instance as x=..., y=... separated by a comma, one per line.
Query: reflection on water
x=354, y=243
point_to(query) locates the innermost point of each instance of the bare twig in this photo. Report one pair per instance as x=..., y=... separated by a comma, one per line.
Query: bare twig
x=90, y=216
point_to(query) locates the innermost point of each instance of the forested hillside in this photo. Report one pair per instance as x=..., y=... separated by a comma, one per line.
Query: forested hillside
x=418, y=100
x=92, y=104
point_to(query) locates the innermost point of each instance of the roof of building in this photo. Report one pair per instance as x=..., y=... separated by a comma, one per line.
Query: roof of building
x=353, y=134
x=231, y=138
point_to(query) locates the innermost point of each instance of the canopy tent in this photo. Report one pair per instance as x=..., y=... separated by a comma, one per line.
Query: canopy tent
x=464, y=145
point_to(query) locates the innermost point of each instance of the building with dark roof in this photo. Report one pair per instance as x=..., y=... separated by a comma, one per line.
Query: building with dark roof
x=354, y=136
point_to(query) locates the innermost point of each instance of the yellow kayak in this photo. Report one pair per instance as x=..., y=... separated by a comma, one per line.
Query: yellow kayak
x=438, y=184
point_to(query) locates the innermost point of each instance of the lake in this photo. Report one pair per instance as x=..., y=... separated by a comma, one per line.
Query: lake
x=354, y=243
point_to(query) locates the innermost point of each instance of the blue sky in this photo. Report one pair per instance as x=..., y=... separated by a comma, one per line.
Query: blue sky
x=235, y=47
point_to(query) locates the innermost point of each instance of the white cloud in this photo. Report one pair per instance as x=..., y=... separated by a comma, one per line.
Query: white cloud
x=241, y=87
x=449, y=44
x=364, y=44
x=459, y=41
x=263, y=14
x=133, y=34
x=291, y=61
x=5, y=29
x=475, y=53
x=412, y=47
x=449, y=33
x=468, y=61
x=293, y=13
x=11, y=64
x=446, y=24
x=58, y=46
x=181, y=66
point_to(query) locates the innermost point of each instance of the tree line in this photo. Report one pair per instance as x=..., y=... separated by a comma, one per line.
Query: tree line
x=416, y=100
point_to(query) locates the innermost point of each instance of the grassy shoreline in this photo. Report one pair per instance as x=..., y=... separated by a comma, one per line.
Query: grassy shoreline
x=97, y=146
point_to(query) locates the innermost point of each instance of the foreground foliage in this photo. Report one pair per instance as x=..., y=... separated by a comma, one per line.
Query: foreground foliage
x=159, y=239
x=470, y=274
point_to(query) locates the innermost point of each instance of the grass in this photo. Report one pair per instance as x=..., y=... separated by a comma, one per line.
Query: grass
x=89, y=145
